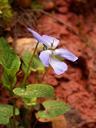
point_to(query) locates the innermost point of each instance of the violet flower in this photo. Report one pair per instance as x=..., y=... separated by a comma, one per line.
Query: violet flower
x=50, y=56
x=46, y=40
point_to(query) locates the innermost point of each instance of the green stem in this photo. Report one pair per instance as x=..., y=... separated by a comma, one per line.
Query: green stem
x=10, y=124
x=30, y=62
x=14, y=120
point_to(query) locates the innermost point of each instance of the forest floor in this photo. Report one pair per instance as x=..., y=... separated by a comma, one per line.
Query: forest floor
x=77, y=86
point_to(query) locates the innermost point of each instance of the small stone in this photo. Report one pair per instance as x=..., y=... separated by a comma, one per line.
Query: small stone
x=26, y=44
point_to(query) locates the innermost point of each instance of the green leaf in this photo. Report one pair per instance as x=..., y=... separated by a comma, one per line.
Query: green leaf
x=9, y=60
x=30, y=101
x=35, y=91
x=36, y=63
x=6, y=112
x=7, y=80
x=53, y=108
x=26, y=60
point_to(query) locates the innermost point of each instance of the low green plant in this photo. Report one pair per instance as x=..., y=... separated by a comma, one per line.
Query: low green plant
x=31, y=94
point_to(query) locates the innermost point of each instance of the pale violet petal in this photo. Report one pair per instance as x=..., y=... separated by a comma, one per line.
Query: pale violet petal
x=44, y=57
x=65, y=54
x=51, y=42
x=37, y=36
x=58, y=66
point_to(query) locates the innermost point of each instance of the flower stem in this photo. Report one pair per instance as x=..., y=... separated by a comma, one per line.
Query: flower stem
x=14, y=120
x=30, y=62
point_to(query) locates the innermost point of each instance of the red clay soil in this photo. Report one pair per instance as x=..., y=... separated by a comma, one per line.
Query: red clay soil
x=77, y=86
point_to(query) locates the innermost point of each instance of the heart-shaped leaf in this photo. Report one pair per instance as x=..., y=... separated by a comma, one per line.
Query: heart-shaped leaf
x=53, y=108
x=6, y=112
x=9, y=61
x=35, y=91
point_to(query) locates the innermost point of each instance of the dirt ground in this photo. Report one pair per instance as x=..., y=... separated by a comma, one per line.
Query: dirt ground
x=77, y=86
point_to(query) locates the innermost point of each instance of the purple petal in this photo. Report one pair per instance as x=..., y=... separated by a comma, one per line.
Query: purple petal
x=44, y=57
x=58, y=66
x=65, y=54
x=51, y=42
x=37, y=36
